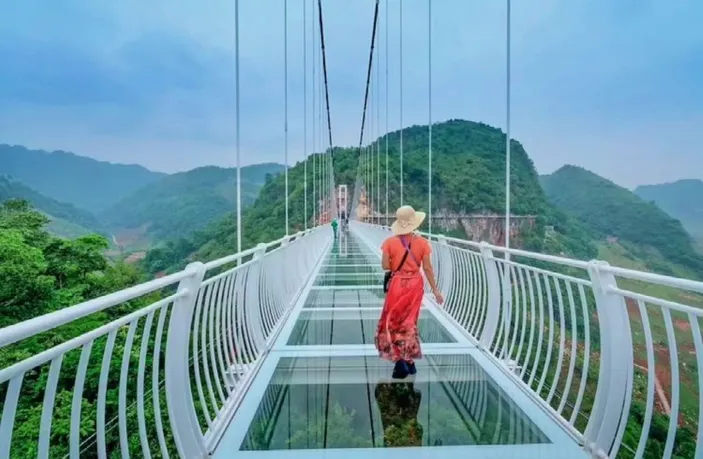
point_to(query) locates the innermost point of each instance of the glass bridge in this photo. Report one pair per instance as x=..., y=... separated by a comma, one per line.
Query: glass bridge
x=324, y=387
x=270, y=353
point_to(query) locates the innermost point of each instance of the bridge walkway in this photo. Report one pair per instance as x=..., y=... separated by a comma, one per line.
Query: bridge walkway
x=322, y=390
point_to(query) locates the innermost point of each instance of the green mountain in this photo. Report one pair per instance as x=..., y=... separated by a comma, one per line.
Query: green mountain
x=613, y=213
x=66, y=220
x=179, y=204
x=682, y=200
x=468, y=177
x=84, y=182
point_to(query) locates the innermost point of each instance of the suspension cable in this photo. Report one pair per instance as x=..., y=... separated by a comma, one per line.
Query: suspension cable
x=506, y=280
x=429, y=125
x=285, y=98
x=237, y=126
x=320, y=126
x=305, y=114
x=378, y=139
x=368, y=75
x=387, y=133
x=364, y=158
x=369, y=148
x=401, y=103
x=507, y=132
x=315, y=200
x=324, y=70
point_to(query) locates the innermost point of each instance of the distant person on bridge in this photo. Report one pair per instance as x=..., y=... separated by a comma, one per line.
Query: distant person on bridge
x=345, y=221
x=334, y=227
x=403, y=255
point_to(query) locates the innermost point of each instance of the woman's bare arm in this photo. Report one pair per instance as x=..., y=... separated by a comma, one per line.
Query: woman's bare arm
x=429, y=272
x=386, y=261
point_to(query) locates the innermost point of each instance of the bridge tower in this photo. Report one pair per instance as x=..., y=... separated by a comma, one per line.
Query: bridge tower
x=342, y=201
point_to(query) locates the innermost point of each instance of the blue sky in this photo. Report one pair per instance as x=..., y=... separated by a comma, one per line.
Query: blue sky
x=616, y=87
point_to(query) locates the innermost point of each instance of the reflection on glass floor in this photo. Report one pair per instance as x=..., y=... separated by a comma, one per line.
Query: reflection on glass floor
x=350, y=402
x=349, y=326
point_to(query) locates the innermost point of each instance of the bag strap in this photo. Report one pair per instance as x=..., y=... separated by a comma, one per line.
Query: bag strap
x=407, y=247
x=407, y=251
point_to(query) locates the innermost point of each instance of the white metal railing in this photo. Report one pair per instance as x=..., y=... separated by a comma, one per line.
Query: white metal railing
x=155, y=370
x=613, y=354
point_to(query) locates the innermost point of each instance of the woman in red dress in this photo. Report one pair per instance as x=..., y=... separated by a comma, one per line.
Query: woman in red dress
x=396, y=336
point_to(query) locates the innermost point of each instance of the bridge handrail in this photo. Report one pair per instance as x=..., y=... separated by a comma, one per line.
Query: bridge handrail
x=579, y=337
x=207, y=322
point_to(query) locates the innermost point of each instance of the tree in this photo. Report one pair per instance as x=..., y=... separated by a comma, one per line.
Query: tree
x=18, y=215
x=25, y=288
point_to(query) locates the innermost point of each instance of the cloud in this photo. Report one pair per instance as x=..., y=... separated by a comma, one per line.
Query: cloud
x=613, y=86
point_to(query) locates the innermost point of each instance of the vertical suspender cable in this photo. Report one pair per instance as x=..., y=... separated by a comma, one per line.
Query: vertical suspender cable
x=320, y=163
x=312, y=74
x=237, y=129
x=363, y=151
x=371, y=137
x=429, y=105
x=401, y=103
x=285, y=98
x=320, y=125
x=387, y=133
x=305, y=114
x=378, y=140
x=369, y=196
x=327, y=101
x=507, y=308
x=507, y=132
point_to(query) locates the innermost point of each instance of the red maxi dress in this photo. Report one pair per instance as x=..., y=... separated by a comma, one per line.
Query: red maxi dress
x=396, y=334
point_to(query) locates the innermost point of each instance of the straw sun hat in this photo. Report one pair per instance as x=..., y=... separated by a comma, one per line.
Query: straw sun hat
x=407, y=220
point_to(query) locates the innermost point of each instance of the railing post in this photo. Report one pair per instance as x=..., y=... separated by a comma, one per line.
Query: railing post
x=493, y=290
x=615, y=372
x=186, y=431
x=253, y=301
x=445, y=278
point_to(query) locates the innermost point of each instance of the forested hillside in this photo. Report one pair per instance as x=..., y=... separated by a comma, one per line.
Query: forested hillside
x=64, y=219
x=179, y=204
x=682, y=200
x=468, y=176
x=84, y=182
x=39, y=274
x=608, y=210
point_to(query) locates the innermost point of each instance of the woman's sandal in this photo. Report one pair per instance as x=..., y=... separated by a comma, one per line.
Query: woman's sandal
x=401, y=370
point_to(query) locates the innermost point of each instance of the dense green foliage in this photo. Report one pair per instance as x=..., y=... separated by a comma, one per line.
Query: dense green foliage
x=682, y=200
x=609, y=210
x=179, y=204
x=40, y=273
x=468, y=171
x=84, y=182
x=62, y=216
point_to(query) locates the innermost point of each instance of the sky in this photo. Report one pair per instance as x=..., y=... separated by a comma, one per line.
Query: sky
x=613, y=86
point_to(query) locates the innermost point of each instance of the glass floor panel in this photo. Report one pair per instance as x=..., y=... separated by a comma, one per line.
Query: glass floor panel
x=352, y=260
x=331, y=298
x=347, y=269
x=349, y=326
x=351, y=402
x=349, y=279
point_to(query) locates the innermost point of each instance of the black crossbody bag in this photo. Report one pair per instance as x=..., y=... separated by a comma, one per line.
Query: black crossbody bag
x=389, y=274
